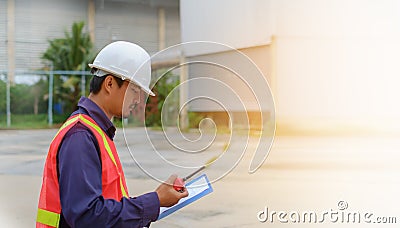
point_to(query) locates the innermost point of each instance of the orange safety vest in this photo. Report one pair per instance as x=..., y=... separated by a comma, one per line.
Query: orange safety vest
x=113, y=179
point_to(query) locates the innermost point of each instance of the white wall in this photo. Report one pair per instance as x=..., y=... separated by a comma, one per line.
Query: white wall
x=42, y=20
x=241, y=86
x=337, y=61
x=237, y=23
x=3, y=34
x=333, y=61
x=39, y=21
x=126, y=21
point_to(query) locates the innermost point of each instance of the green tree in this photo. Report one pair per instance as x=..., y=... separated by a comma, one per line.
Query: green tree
x=21, y=98
x=71, y=53
x=154, y=105
x=39, y=92
x=3, y=86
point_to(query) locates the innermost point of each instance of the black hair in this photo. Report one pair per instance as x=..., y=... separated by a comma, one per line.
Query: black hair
x=96, y=82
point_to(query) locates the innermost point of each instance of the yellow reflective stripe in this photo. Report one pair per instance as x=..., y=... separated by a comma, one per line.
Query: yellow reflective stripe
x=66, y=124
x=98, y=129
x=48, y=218
x=122, y=188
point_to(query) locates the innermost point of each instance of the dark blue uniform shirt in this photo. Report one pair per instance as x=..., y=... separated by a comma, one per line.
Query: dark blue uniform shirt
x=79, y=171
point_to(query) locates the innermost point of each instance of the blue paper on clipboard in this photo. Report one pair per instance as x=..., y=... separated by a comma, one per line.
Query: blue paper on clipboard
x=197, y=188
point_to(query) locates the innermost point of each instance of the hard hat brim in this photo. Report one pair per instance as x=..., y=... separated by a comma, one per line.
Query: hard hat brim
x=123, y=77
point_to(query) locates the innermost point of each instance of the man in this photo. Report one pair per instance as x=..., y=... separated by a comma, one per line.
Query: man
x=83, y=181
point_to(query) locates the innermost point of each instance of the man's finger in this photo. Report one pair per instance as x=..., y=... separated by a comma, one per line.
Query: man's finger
x=185, y=193
x=171, y=179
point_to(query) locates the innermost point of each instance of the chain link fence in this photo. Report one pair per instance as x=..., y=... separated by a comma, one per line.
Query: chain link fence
x=41, y=99
x=34, y=99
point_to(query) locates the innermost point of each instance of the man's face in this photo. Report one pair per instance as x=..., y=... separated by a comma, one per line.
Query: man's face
x=131, y=99
x=123, y=99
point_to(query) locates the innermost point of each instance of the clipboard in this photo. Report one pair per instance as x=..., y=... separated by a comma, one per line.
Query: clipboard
x=197, y=188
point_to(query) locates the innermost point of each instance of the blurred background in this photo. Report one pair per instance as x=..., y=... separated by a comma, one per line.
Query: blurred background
x=330, y=64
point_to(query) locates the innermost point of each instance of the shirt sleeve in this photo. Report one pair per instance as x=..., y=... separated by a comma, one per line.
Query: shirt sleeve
x=80, y=184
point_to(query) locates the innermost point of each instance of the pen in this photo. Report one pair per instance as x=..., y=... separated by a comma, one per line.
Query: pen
x=179, y=183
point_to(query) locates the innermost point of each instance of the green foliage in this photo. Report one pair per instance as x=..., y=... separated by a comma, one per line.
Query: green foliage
x=24, y=98
x=194, y=119
x=39, y=92
x=71, y=53
x=30, y=121
x=21, y=99
x=3, y=86
x=25, y=101
x=162, y=89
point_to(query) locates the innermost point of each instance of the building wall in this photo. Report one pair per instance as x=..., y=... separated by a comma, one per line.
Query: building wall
x=234, y=89
x=231, y=82
x=126, y=21
x=236, y=23
x=337, y=62
x=41, y=20
x=3, y=34
x=38, y=21
x=242, y=78
x=172, y=26
x=334, y=63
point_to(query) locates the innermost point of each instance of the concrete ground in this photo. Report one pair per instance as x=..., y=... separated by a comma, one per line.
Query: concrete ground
x=333, y=176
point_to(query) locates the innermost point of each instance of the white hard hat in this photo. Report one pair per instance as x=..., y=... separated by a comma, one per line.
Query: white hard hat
x=125, y=60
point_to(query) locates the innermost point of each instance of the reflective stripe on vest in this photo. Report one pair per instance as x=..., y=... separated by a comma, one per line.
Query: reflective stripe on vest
x=48, y=218
x=49, y=203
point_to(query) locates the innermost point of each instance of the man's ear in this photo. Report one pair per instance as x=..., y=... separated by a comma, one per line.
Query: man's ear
x=108, y=83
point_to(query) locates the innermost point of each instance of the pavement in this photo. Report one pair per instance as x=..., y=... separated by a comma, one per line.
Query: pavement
x=332, y=177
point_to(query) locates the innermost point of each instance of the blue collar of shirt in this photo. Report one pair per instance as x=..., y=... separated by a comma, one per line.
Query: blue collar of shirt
x=88, y=107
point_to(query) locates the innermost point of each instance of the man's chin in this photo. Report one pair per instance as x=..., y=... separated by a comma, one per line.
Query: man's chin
x=125, y=115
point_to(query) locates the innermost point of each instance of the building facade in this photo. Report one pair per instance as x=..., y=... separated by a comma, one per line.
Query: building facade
x=27, y=25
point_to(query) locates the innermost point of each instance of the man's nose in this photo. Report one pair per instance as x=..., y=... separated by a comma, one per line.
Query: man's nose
x=138, y=97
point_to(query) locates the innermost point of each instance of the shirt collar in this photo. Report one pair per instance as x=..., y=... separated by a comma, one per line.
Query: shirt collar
x=95, y=112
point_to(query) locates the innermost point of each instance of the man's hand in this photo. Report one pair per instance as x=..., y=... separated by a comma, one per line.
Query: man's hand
x=167, y=195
